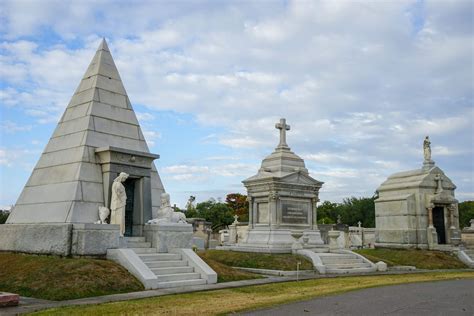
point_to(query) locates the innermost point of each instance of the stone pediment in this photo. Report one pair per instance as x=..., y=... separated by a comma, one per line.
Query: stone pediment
x=300, y=178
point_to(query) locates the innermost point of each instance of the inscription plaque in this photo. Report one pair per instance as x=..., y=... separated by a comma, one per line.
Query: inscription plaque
x=293, y=212
x=262, y=213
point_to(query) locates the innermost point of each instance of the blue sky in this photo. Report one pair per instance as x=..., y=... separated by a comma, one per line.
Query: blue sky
x=360, y=82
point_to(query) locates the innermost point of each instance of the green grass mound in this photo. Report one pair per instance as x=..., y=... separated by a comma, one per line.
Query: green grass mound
x=422, y=259
x=228, y=274
x=286, y=262
x=56, y=278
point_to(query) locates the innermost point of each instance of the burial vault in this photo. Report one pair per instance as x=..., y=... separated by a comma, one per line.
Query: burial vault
x=417, y=209
x=282, y=202
x=97, y=137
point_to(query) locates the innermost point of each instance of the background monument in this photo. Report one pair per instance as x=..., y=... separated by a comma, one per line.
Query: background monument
x=417, y=209
x=97, y=138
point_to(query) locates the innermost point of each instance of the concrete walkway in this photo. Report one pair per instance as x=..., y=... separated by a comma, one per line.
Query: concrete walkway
x=28, y=305
x=454, y=297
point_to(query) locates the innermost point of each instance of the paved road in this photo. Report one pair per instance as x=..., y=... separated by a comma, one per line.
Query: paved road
x=432, y=298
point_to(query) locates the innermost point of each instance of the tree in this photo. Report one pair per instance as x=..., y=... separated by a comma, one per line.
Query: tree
x=327, y=213
x=466, y=213
x=352, y=210
x=219, y=214
x=239, y=205
x=3, y=216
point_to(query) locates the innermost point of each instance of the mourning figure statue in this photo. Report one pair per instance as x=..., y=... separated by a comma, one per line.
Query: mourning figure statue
x=118, y=201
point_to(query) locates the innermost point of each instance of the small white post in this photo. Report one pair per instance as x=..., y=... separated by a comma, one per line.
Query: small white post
x=298, y=270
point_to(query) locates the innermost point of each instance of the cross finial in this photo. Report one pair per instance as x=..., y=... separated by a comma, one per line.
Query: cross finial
x=283, y=128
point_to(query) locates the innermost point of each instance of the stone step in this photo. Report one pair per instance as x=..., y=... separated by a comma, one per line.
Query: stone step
x=348, y=265
x=144, y=250
x=349, y=271
x=341, y=261
x=135, y=239
x=337, y=255
x=138, y=244
x=166, y=264
x=178, y=277
x=163, y=285
x=147, y=257
x=172, y=270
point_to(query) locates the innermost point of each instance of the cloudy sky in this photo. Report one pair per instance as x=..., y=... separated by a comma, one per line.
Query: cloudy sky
x=360, y=82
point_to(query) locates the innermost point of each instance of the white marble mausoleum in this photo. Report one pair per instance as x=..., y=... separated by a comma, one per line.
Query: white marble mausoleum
x=417, y=209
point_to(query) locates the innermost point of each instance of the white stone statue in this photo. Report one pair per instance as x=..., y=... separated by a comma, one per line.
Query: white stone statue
x=166, y=214
x=190, y=203
x=427, y=149
x=104, y=212
x=118, y=201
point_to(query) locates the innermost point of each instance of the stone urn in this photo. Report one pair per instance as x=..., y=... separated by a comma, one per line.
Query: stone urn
x=333, y=235
x=297, y=245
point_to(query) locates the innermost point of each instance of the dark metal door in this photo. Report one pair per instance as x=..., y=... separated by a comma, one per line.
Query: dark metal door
x=129, y=185
x=438, y=223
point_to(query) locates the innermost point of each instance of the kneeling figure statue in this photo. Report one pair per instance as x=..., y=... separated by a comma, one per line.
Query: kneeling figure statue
x=166, y=214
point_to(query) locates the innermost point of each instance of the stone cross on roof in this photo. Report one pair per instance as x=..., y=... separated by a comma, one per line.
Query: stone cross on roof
x=283, y=128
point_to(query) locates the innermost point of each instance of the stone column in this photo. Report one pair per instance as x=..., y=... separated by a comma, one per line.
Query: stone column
x=272, y=209
x=431, y=235
x=314, y=224
x=251, y=210
x=430, y=216
x=451, y=216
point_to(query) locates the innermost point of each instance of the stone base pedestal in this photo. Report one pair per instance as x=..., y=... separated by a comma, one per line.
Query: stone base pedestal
x=275, y=241
x=59, y=239
x=168, y=236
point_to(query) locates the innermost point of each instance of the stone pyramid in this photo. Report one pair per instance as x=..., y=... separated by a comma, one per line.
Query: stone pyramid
x=66, y=185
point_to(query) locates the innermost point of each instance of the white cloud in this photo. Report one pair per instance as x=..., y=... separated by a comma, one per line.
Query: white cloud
x=360, y=83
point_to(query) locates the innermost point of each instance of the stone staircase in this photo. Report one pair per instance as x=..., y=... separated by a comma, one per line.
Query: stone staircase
x=165, y=270
x=470, y=253
x=467, y=256
x=342, y=263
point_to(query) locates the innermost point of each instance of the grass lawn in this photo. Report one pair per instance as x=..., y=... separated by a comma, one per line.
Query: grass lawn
x=221, y=302
x=56, y=278
x=226, y=273
x=422, y=259
x=285, y=262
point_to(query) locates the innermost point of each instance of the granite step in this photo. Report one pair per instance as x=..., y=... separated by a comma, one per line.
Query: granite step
x=135, y=239
x=147, y=257
x=178, y=277
x=347, y=265
x=172, y=270
x=349, y=270
x=336, y=255
x=138, y=244
x=140, y=251
x=164, y=285
x=166, y=264
x=344, y=260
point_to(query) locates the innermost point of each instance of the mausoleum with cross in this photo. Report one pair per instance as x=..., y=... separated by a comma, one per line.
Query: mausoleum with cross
x=282, y=202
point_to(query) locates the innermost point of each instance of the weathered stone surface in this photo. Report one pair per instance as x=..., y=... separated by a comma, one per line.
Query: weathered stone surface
x=75, y=112
x=114, y=113
x=115, y=128
x=168, y=236
x=94, y=239
x=36, y=238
